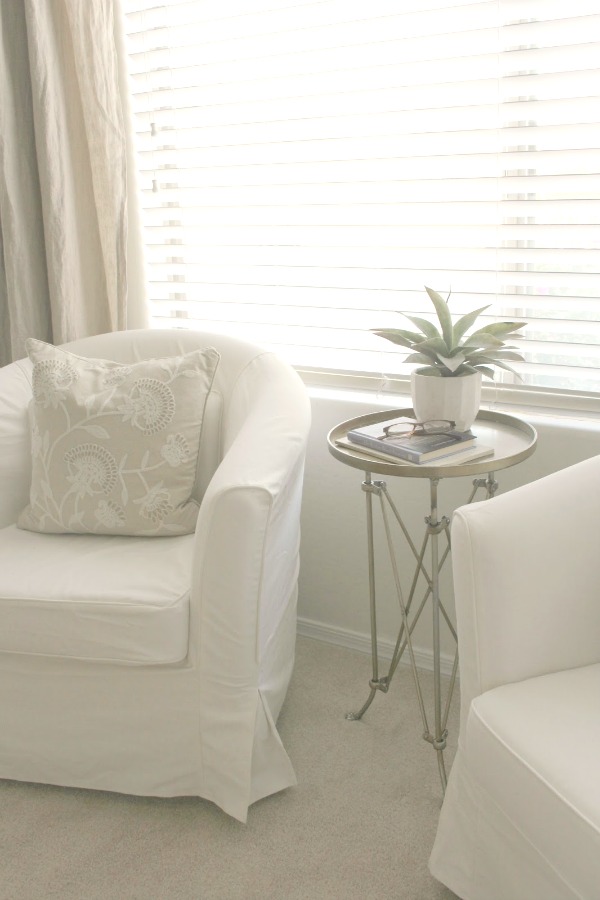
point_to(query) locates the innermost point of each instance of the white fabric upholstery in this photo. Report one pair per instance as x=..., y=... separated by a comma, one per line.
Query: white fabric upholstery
x=158, y=666
x=521, y=815
x=95, y=597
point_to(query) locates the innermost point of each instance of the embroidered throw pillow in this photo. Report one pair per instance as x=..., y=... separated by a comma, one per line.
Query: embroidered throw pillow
x=115, y=447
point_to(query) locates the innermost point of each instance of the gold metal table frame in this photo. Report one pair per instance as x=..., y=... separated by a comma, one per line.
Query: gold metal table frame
x=513, y=440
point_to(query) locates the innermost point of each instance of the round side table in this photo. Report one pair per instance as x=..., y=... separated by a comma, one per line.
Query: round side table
x=512, y=441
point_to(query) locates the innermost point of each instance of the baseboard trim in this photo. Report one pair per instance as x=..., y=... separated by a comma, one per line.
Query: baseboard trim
x=355, y=640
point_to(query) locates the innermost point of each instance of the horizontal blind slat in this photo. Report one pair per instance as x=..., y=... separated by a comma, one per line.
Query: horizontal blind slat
x=305, y=168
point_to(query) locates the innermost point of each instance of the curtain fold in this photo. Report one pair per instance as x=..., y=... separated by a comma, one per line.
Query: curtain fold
x=63, y=173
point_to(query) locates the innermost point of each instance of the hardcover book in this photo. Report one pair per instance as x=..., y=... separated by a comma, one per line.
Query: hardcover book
x=478, y=451
x=416, y=448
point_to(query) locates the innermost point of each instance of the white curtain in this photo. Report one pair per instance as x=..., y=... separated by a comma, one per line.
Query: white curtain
x=64, y=148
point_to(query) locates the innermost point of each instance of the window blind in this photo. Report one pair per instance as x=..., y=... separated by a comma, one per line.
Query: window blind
x=307, y=166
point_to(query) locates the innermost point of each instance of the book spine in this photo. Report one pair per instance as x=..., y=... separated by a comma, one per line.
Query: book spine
x=388, y=449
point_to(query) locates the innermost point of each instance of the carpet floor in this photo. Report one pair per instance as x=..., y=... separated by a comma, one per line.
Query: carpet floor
x=359, y=825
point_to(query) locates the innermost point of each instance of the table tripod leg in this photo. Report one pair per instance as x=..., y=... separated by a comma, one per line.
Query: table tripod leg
x=434, y=528
x=370, y=487
x=438, y=739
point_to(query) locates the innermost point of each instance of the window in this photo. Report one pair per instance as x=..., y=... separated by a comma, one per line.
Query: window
x=307, y=166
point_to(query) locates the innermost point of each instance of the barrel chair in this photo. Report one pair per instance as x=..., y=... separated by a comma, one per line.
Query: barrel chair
x=150, y=491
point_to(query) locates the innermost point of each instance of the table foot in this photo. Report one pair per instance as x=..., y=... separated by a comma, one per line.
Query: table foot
x=376, y=684
x=439, y=745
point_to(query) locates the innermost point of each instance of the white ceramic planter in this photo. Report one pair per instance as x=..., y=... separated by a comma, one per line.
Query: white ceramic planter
x=447, y=398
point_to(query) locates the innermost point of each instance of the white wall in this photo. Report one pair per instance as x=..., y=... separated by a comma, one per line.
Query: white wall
x=333, y=602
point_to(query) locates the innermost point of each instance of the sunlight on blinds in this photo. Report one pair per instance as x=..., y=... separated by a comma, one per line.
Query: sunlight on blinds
x=307, y=167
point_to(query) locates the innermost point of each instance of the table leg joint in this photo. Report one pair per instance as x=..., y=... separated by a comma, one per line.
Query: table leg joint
x=374, y=487
x=436, y=527
x=380, y=684
x=436, y=743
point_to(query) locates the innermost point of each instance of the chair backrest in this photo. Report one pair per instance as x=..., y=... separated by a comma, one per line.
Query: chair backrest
x=526, y=573
x=245, y=371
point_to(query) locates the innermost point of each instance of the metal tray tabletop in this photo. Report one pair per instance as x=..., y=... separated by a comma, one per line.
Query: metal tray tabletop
x=512, y=438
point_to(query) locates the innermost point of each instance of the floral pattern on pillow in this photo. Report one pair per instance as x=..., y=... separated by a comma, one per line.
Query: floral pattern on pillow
x=115, y=447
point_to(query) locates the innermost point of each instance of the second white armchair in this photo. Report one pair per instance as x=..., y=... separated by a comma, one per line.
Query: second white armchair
x=521, y=815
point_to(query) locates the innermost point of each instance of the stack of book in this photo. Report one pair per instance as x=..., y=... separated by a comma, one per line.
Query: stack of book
x=447, y=448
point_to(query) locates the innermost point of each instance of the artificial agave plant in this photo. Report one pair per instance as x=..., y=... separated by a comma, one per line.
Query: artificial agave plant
x=446, y=351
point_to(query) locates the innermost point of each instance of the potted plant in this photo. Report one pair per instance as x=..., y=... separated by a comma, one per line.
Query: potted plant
x=448, y=385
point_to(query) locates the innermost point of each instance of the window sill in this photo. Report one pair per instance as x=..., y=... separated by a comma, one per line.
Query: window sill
x=572, y=408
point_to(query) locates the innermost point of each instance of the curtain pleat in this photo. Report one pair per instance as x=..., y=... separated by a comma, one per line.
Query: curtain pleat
x=24, y=294
x=63, y=173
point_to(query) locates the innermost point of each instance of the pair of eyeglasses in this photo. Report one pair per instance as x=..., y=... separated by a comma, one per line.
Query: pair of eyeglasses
x=408, y=428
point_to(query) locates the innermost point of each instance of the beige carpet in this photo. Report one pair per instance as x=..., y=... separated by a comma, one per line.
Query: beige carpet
x=359, y=826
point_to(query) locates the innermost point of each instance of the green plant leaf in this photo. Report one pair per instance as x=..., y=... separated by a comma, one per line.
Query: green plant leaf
x=430, y=370
x=399, y=336
x=452, y=362
x=421, y=358
x=431, y=355
x=465, y=369
x=496, y=362
x=488, y=347
x=485, y=370
x=465, y=322
x=443, y=314
x=499, y=329
x=505, y=353
x=438, y=345
x=482, y=339
x=427, y=327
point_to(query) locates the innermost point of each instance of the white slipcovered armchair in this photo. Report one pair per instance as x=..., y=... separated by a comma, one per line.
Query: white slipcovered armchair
x=521, y=815
x=158, y=665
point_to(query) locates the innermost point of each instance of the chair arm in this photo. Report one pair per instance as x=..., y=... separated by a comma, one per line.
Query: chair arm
x=527, y=580
x=247, y=536
x=15, y=443
x=244, y=582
